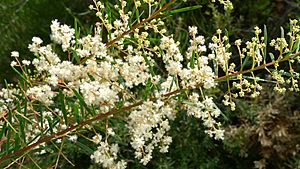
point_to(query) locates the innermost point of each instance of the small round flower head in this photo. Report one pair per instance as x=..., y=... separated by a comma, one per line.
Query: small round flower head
x=15, y=54
x=193, y=30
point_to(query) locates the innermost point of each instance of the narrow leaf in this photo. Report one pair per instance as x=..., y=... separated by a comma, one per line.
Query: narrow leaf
x=281, y=32
x=185, y=9
x=81, y=101
x=272, y=57
x=265, y=42
x=63, y=106
x=76, y=113
x=87, y=150
x=192, y=62
x=50, y=123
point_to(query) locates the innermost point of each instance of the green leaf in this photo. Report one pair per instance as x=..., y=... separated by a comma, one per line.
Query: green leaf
x=81, y=101
x=21, y=75
x=22, y=130
x=298, y=45
x=147, y=89
x=281, y=32
x=50, y=123
x=259, y=79
x=245, y=62
x=76, y=113
x=77, y=36
x=272, y=57
x=63, y=106
x=192, y=62
x=87, y=150
x=17, y=142
x=22, y=120
x=185, y=9
x=265, y=42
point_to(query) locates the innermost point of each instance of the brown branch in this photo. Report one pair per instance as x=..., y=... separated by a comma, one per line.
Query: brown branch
x=256, y=68
x=71, y=128
x=81, y=124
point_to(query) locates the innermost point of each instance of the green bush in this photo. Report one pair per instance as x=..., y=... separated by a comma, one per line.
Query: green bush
x=117, y=88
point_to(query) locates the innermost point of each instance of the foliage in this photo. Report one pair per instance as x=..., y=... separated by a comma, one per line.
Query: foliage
x=117, y=93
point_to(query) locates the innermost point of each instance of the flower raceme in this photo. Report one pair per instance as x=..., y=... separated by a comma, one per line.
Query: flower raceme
x=148, y=82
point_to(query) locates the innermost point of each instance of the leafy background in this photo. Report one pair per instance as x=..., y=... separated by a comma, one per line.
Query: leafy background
x=191, y=148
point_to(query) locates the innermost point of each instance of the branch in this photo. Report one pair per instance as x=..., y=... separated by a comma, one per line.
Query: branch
x=256, y=68
x=71, y=128
x=126, y=108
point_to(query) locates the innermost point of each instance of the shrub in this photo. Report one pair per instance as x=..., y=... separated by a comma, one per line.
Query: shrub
x=128, y=82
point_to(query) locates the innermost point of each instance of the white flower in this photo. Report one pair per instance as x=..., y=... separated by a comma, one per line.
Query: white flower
x=207, y=111
x=62, y=34
x=107, y=156
x=26, y=62
x=15, y=54
x=73, y=138
x=13, y=63
x=110, y=132
x=97, y=138
x=142, y=121
x=41, y=93
x=193, y=30
x=37, y=40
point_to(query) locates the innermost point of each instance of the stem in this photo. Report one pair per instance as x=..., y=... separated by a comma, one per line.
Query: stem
x=63, y=132
x=256, y=68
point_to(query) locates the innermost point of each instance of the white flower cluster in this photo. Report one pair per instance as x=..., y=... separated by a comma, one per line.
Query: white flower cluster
x=207, y=111
x=148, y=126
x=280, y=44
x=96, y=93
x=42, y=93
x=91, y=46
x=227, y=4
x=106, y=155
x=135, y=71
x=198, y=71
x=254, y=48
x=62, y=34
x=7, y=98
x=8, y=95
x=98, y=81
x=220, y=52
x=172, y=56
x=244, y=86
